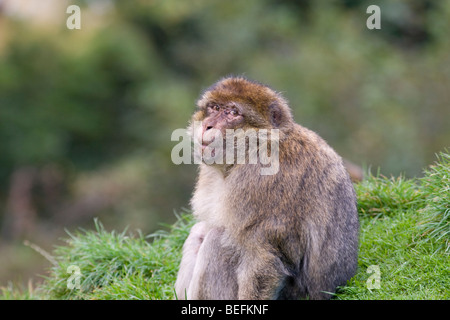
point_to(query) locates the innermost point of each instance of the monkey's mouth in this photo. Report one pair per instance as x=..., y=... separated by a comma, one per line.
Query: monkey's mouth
x=210, y=148
x=204, y=145
x=205, y=142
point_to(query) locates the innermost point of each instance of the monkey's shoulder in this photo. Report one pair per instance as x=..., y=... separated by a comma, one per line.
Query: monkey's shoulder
x=305, y=142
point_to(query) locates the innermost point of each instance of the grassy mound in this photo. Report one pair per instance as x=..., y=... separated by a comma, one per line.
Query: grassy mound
x=404, y=249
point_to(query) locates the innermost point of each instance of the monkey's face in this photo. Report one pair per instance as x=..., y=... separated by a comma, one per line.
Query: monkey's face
x=231, y=108
x=217, y=119
x=212, y=125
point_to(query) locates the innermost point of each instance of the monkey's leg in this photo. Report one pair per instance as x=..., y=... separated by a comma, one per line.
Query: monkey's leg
x=325, y=270
x=260, y=277
x=190, y=251
x=214, y=275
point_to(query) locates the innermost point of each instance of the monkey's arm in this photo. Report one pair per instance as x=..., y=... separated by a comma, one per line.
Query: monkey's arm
x=214, y=276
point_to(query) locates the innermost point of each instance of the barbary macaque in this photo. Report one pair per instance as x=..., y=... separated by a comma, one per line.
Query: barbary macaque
x=287, y=233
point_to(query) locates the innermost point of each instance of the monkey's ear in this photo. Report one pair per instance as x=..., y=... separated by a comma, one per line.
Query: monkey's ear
x=276, y=115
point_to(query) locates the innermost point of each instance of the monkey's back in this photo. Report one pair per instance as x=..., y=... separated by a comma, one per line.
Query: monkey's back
x=307, y=212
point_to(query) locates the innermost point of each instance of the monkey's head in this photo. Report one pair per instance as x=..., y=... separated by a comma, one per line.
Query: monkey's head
x=238, y=103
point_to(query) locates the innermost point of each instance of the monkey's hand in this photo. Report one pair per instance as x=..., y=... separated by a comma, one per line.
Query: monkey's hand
x=195, y=238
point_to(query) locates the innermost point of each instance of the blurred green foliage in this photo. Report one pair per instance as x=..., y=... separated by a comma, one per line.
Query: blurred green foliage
x=98, y=97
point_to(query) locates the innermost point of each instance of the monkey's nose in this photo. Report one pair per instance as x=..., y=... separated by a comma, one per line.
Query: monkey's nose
x=208, y=127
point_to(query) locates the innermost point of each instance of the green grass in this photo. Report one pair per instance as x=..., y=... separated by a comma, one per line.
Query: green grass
x=405, y=232
x=436, y=185
x=409, y=267
x=118, y=265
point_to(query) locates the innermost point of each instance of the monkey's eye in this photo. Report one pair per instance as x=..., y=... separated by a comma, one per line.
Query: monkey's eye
x=215, y=107
x=234, y=112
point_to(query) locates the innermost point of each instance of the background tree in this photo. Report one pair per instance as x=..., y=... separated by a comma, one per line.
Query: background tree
x=86, y=115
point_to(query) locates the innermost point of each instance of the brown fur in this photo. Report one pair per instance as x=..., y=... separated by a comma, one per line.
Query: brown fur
x=290, y=235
